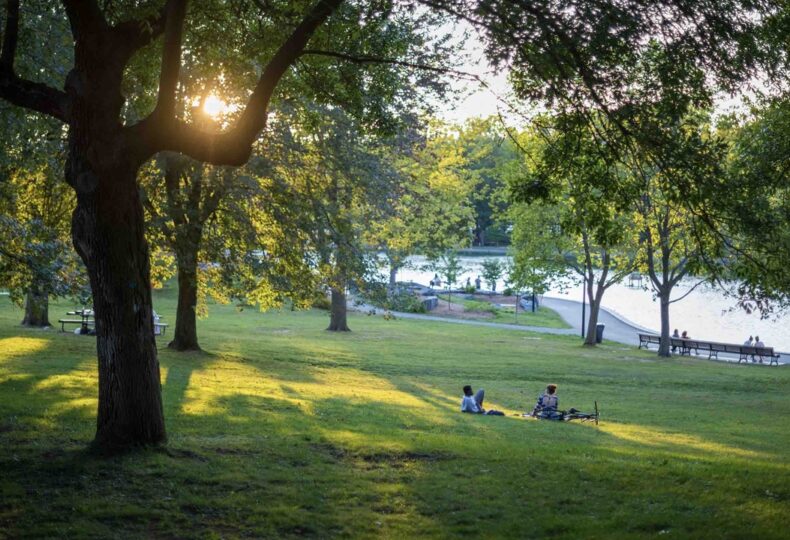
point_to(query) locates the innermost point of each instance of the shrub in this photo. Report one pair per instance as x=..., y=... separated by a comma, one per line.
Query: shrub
x=322, y=301
x=399, y=300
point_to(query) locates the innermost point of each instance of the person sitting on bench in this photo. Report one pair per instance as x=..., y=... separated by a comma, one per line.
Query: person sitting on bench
x=473, y=403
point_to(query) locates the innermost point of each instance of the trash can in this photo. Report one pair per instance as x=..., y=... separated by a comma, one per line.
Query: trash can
x=599, y=332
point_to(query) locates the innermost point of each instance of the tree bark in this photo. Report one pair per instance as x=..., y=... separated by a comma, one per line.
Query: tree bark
x=664, y=346
x=107, y=230
x=338, y=321
x=595, y=308
x=185, y=335
x=36, y=308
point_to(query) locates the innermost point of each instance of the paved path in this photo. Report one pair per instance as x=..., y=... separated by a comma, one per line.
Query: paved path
x=616, y=329
x=421, y=316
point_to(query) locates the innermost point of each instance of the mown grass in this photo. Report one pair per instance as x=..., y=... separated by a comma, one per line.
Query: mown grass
x=543, y=316
x=281, y=429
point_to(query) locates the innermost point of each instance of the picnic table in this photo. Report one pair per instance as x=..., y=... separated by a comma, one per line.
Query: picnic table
x=88, y=321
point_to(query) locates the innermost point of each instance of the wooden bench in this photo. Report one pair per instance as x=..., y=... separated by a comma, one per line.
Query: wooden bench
x=78, y=322
x=762, y=352
x=712, y=348
x=648, y=339
x=159, y=328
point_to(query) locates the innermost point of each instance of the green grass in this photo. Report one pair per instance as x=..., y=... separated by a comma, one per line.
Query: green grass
x=543, y=317
x=283, y=430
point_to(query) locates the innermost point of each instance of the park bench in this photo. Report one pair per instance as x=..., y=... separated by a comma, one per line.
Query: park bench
x=712, y=348
x=159, y=328
x=648, y=339
x=78, y=322
x=761, y=352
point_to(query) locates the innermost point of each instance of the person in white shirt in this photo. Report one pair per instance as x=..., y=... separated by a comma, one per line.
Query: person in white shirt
x=473, y=403
x=758, y=343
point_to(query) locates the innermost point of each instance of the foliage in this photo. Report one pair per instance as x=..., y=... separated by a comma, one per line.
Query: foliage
x=493, y=270
x=426, y=209
x=752, y=203
x=394, y=299
x=487, y=152
x=35, y=210
x=448, y=266
x=570, y=225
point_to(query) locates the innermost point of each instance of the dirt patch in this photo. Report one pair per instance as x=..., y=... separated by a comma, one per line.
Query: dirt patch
x=235, y=452
x=457, y=311
x=398, y=458
x=393, y=459
x=177, y=453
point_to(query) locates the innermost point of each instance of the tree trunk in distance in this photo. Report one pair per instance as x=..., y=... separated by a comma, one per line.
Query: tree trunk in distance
x=36, y=308
x=664, y=345
x=592, y=322
x=338, y=321
x=108, y=234
x=185, y=334
x=393, y=276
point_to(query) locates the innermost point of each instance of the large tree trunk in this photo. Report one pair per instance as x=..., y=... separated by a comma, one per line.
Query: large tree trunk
x=664, y=345
x=107, y=229
x=338, y=321
x=185, y=335
x=36, y=307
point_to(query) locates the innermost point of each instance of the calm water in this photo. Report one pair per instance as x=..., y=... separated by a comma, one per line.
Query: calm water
x=706, y=313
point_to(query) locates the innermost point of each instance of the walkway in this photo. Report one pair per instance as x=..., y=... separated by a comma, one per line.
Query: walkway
x=616, y=329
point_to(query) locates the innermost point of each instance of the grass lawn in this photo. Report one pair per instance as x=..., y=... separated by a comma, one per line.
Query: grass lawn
x=490, y=312
x=281, y=429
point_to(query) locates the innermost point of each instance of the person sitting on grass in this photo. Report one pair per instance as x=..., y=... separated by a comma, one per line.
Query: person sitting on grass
x=473, y=403
x=548, y=404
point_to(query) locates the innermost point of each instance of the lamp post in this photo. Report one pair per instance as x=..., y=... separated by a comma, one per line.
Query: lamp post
x=584, y=302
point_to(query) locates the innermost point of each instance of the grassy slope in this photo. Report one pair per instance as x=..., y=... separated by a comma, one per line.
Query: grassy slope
x=545, y=317
x=282, y=429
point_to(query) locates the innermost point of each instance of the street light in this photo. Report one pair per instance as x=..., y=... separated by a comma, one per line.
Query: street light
x=584, y=302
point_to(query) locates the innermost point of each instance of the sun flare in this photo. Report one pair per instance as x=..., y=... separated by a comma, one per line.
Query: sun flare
x=214, y=106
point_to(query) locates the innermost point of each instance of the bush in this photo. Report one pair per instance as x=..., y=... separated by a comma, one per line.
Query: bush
x=322, y=301
x=401, y=300
x=469, y=289
x=405, y=301
x=508, y=291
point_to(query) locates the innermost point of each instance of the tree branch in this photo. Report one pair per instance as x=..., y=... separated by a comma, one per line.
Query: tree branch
x=157, y=133
x=10, y=35
x=85, y=18
x=175, y=12
x=392, y=61
x=21, y=92
x=133, y=35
